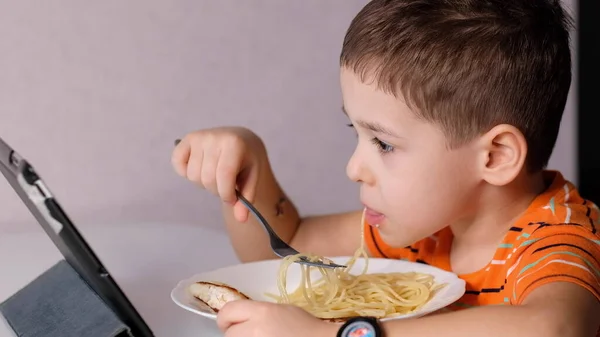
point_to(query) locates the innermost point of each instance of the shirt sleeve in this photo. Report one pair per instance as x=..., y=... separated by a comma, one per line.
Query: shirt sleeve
x=557, y=253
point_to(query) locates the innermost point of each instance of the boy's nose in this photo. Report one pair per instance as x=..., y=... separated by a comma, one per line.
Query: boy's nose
x=357, y=170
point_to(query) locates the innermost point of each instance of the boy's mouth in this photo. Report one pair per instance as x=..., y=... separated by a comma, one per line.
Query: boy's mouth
x=373, y=217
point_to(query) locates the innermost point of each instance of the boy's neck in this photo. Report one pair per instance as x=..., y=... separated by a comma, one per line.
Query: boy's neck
x=497, y=209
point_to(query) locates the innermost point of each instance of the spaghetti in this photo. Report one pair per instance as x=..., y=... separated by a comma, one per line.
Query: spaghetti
x=339, y=294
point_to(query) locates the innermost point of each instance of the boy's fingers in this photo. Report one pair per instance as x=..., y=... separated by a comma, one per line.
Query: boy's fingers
x=247, y=181
x=235, y=312
x=227, y=170
x=236, y=330
x=180, y=157
x=240, y=212
x=209, y=169
x=194, y=165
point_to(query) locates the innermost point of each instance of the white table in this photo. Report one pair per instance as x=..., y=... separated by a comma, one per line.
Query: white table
x=147, y=261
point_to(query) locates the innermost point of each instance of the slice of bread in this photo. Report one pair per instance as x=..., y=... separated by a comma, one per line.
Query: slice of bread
x=215, y=295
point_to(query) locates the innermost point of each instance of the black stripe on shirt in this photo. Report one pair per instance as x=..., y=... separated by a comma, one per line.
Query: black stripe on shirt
x=484, y=290
x=413, y=250
x=589, y=211
x=537, y=223
x=376, y=244
x=556, y=224
x=560, y=245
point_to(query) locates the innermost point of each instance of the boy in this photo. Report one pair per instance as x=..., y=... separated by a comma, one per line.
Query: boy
x=457, y=106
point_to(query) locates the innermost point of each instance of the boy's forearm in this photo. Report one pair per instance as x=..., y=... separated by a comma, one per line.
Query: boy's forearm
x=489, y=321
x=249, y=239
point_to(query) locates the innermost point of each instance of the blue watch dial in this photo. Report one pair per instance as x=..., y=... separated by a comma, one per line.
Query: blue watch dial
x=359, y=329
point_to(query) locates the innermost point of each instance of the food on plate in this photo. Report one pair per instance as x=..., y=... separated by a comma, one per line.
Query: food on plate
x=339, y=295
x=215, y=295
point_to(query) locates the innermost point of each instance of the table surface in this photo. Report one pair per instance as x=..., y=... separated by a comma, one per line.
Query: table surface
x=146, y=260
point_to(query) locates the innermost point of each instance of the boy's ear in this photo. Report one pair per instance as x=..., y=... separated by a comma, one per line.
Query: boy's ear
x=503, y=154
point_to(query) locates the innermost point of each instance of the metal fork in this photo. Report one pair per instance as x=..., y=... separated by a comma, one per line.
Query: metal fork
x=279, y=247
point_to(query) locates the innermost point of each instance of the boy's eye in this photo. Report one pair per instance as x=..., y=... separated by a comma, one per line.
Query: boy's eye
x=382, y=146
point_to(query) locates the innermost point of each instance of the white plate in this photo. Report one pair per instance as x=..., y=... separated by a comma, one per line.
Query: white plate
x=257, y=278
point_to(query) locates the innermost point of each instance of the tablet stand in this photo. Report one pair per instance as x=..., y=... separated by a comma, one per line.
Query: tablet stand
x=59, y=303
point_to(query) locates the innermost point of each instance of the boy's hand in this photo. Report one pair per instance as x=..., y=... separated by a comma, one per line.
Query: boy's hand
x=220, y=160
x=246, y=318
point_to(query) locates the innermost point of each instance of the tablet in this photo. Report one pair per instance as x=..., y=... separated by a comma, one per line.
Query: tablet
x=55, y=222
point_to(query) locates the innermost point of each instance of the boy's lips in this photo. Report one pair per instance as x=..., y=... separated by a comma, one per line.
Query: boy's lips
x=373, y=217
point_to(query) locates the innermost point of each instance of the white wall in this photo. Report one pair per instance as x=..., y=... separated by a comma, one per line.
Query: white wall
x=95, y=92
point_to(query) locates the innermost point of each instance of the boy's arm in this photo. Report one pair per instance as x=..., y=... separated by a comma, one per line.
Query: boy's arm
x=327, y=235
x=553, y=310
x=557, y=309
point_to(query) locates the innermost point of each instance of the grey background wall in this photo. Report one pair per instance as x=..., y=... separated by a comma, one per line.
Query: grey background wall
x=94, y=93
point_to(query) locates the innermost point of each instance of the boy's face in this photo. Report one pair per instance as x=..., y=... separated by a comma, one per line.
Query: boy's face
x=411, y=183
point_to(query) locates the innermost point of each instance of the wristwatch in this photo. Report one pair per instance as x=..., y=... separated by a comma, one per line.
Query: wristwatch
x=361, y=327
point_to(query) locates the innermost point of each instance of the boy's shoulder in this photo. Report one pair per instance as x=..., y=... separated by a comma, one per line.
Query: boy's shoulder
x=560, y=209
x=556, y=240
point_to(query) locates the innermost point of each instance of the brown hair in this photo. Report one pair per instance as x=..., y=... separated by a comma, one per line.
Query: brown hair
x=469, y=65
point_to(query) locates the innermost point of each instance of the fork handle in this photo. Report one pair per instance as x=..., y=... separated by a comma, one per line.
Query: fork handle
x=258, y=216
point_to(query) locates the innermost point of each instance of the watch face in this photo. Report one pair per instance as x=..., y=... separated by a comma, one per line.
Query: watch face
x=359, y=329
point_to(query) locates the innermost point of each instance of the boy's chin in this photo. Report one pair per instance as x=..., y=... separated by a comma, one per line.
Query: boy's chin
x=400, y=238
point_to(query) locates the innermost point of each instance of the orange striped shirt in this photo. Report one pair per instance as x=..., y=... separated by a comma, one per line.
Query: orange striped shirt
x=556, y=239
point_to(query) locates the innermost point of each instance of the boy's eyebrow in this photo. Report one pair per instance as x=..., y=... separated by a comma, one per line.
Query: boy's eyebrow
x=375, y=127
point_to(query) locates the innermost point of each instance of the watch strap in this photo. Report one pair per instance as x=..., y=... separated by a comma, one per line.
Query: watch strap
x=361, y=327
